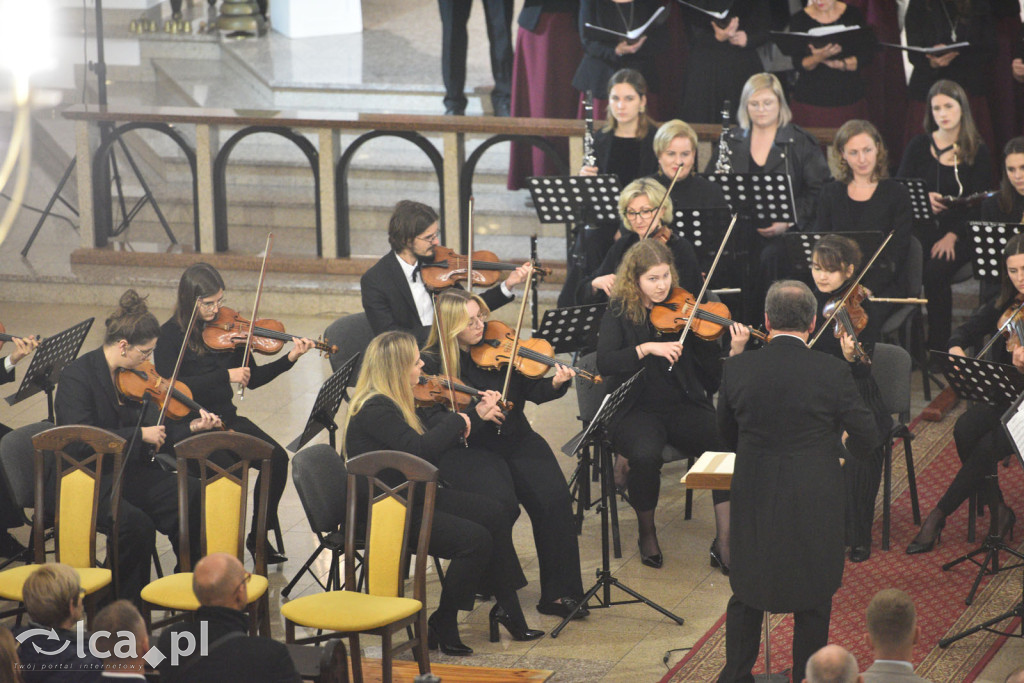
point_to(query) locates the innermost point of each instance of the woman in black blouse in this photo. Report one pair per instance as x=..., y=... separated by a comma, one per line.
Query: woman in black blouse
x=669, y=407
x=468, y=528
x=675, y=146
x=539, y=483
x=980, y=439
x=830, y=87
x=1008, y=205
x=211, y=374
x=863, y=198
x=953, y=162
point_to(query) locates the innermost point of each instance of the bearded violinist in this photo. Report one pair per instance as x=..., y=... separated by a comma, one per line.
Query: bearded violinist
x=10, y=516
x=393, y=293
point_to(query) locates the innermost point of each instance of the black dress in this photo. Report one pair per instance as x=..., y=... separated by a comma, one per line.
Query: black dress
x=682, y=252
x=933, y=22
x=599, y=58
x=824, y=86
x=716, y=71
x=991, y=211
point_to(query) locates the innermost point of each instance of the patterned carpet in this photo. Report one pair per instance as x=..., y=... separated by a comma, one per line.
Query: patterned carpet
x=938, y=595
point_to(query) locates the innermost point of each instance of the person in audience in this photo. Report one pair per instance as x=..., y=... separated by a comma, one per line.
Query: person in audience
x=455, y=42
x=53, y=597
x=10, y=665
x=121, y=663
x=892, y=634
x=830, y=82
x=723, y=55
x=832, y=664
x=392, y=290
x=767, y=141
x=220, y=583
x=1007, y=206
x=468, y=528
x=10, y=516
x=953, y=161
x=668, y=407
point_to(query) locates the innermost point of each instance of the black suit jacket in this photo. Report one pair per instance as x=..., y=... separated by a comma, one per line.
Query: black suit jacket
x=388, y=300
x=782, y=410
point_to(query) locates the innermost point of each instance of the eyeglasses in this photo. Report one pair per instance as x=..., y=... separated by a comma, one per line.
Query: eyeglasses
x=244, y=581
x=633, y=215
x=145, y=353
x=211, y=305
x=432, y=237
x=478, y=321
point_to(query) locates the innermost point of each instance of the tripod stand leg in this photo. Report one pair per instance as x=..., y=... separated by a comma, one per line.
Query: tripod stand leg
x=49, y=206
x=640, y=598
x=147, y=194
x=1017, y=611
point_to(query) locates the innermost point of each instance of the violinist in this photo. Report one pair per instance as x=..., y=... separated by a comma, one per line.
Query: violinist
x=1008, y=205
x=978, y=433
x=210, y=375
x=468, y=528
x=670, y=407
x=10, y=516
x=86, y=395
x=394, y=296
x=539, y=483
x=638, y=205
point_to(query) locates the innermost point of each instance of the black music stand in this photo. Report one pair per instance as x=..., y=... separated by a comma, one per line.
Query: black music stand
x=800, y=245
x=988, y=239
x=575, y=200
x=597, y=433
x=920, y=205
x=49, y=359
x=704, y=228
x=571, y=329
x=760, y=197
x=998, y=385
x=332, y=392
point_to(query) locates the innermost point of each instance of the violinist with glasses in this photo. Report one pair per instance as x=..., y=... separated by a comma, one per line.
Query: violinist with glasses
x=980, y=439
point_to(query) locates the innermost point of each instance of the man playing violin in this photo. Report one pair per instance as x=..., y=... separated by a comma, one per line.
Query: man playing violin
x=414, y=233
x=10, y=516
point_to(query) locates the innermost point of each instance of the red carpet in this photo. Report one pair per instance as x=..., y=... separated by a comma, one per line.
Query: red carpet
x=938, y=595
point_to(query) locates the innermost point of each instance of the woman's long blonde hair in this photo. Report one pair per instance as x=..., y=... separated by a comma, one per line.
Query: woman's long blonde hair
x=626, y=298
x=451, y=309
x=385, y=372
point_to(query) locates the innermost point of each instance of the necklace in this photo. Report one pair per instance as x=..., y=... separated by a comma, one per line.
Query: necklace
x=627, y=24
x=949, y=20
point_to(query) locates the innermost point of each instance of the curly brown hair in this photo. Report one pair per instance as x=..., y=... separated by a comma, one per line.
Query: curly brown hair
x=627, y=299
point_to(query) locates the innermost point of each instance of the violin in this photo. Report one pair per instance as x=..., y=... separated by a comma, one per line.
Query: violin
x=229, y=330
x=438, y=390
x=850, y=318
x=1011, y=324
x=534, y=357
x=671, y=315
x=447, y=268
x=143, y=380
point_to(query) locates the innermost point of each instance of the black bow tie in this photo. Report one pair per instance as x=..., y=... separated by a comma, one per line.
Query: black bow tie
x=416, y=270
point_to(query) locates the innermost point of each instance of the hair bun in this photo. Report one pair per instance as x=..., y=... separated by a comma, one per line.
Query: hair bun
x=131, y=303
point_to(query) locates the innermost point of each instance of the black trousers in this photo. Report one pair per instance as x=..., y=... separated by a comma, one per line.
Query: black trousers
x=938, y=287
x=10, y=516
x=862, y=472
x=454, y=42
x=278, y=465
x=641, y=436
x=543, y=492
x=743, y=638
x=980, y=443
x=482, y=472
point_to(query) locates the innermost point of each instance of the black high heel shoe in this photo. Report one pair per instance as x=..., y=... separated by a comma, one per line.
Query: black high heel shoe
x=716, y=558
x=1007, y=520
x=919, y=544
x=655, y=560
x=498, y=615
x=450, y=643
x=272, y=554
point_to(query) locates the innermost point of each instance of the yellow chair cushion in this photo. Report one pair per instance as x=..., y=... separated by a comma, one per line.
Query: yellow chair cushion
x=13, y=580
x=175, y=591
x=348, y=611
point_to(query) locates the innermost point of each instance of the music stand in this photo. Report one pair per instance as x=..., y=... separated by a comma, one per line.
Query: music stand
x=800, y=245
x=988, y=239
x=762, y=197
x=998, y=385
x=48, y=361
x=572, y=328
x=920, y=205
x=704, y=228
x=575, y=200
x=597, y=434
x=332, y=392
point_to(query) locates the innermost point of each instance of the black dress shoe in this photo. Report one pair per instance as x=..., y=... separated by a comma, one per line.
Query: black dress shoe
x=498, y=615
x=272, y=554
x=655, y=560
x=922, y=543
x=859, y=553
x=563, y=608
x=716, y=558
x=450, y=643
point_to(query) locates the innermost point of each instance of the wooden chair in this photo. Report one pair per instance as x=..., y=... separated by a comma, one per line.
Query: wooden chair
x=383, y=609
x=224, y=494
x=76, y=509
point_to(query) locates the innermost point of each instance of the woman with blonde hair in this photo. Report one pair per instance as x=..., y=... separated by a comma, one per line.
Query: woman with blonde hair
x=468, y=529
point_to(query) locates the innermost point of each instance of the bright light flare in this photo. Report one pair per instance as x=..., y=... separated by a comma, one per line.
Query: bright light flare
x=26, y=40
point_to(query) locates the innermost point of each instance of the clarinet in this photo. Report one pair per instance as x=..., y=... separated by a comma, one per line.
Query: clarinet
x=724, y=163
x=588, y=137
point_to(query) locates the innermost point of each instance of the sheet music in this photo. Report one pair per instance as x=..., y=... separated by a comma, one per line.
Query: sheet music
x=1013, y=424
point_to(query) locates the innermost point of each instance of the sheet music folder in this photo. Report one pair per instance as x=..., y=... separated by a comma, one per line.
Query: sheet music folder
x=713, y=470
x=929, y=50
x=795, y=42
x=1013, y=424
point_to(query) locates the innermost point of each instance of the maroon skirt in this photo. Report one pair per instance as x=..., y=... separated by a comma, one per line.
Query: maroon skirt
x=813, y=116
x=545, y=61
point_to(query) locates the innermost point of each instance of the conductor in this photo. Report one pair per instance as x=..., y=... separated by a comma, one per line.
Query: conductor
x=787, y=487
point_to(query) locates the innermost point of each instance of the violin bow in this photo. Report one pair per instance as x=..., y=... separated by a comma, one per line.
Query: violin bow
x=851, y=289
x=442, y=343
x=469, y=254
x=999, y=332
x=704, y=287
x=657, y=214
x=255, y=308
x=515, y=338
x=177, y=364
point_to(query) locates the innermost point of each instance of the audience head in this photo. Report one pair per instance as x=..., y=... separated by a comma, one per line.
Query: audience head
x=858, y=150
x=949, y=109
x=832, y=664
x=638, y=202
x=790, y=307
x=132, y=326
x=1012, y=184
x=1016, y=676
x=763, y=103
x=53, y=596
x=675, y=145
x=645, y=267
x=116, y=619
x=834, y=259
x=203, y=282
x=892, y=625
x=389, y=363
x=220, y=580
x=413, y=226
x=627, y=101
x=1012, y=275
x=10, y=666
